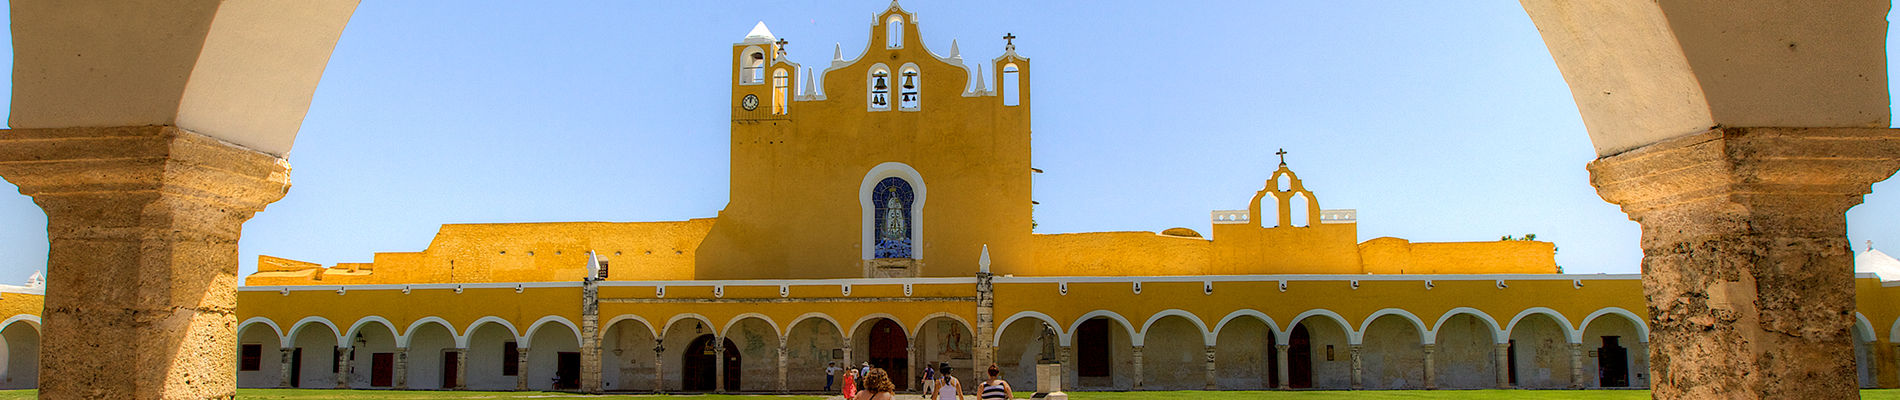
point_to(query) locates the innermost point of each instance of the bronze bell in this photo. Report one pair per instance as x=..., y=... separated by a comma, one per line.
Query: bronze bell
x=880, y=84
x=910, y=80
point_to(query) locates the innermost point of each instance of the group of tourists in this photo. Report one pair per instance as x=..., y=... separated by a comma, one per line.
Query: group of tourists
x=868, y=383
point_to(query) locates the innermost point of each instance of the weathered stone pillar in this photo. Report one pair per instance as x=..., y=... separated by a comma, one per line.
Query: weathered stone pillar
x=401, y=371
x=1358, y=369
x=1213, y=382
x=916, y=363
x=521, y=368
x=1746, y=265
x=1070, y=375
x=1576, y=366
x=848, y=364
x=1641, y=352
x=1138, y=369
x=985, y=326
x=784, y=360
x=590, y=336
x=461, y=369
x=659, y=366
x=1503, y=363
x=1431, y=371
x=719, y=364
x=1284, y=375
x=343, y=367
x=143, y=224
x=283, y=367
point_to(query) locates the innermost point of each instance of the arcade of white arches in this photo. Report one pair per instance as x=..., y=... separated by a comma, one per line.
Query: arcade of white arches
x=1737, y=134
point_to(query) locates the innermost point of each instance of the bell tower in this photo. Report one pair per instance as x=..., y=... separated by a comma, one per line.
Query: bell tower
x=763, y=79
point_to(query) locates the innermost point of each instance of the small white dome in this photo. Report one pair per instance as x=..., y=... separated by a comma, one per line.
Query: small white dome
x=760, y=34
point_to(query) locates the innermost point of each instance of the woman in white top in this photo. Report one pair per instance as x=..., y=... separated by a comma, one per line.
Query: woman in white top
x=947, y=386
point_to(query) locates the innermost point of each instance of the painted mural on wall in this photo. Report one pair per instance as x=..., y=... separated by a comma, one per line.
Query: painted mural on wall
x=893, y=199
x=956, y=344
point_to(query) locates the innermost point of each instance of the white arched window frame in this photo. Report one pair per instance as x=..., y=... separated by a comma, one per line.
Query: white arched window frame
x=875, y=98
x=781, y=91
x=893, y=32
x=752, y=66
x=868, y=231
x=910, y=86
x=1012, y=85
x=1299, y=210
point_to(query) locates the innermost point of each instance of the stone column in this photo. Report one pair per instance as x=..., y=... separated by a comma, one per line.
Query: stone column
x=143, y=224
x=1431, y=371
x=1576, y=366
x=521, y=368
x=784, y=359
x=848, y=364
x=1213, y=382
x=719, y=364
x=985, y=327
x=461, y=369
x=1358, y=375
x=659, y=366
x=590, y=336
x=343, y=367
x=1641, y=352
x=401, y=371
x=916, y=363
x=1284, y=374
x=1070, y=375
x=283, y=367
x=1746, y=265
x=1138, y=369
x=1503, y=365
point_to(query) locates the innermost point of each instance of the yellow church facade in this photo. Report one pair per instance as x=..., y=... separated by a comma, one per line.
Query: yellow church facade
x=845, y=181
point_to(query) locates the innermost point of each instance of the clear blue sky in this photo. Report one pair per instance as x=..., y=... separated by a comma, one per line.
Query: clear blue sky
x=1438, y=121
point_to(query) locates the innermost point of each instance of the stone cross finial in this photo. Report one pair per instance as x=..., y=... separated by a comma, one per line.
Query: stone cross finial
x=781, y=47
x=1009, y=41
x=1282, y=154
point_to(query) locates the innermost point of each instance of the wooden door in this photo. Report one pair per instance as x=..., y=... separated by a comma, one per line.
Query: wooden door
x=1613, y=368
x=296, y=368
x=733, y=366
x=451, y=368
x=1094, y=356
x=382, y=371
x=1299, y=358
x=697, y=365
x=890, y=350
x=569, y=371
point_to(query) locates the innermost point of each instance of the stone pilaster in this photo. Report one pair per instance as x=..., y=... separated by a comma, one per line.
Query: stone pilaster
x=1213, y=379
x=1641, y=352
x=784, y=360
x=1070, y=375
x=848, y=357
x=1576, y=366
x=521, y=368
x=1746, y=265
x=343, y=367
x=659, y=366
x=1431, y=370
x=985, y=329
x=1284, y=374
x=916, y=363
x=719, y=364
x=401, y=371
x=1139, y=371
x=1358, y=368
x=143, y=223
x=461, y=369
x=590, y=336
x=283, y=367
x=1503, y=363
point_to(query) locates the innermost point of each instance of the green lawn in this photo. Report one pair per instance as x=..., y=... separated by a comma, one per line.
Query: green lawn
x=1883, y=394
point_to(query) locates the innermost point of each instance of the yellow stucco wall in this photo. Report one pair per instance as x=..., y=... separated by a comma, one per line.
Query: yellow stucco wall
x=531, y=252
x=1388, y=255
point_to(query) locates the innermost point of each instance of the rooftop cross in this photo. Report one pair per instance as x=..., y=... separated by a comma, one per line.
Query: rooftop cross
x=1009, y=41
x=1282, y=154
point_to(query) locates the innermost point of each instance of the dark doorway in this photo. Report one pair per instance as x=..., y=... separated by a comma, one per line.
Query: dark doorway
x=451, y=367
x=1273, y=360
x=889, y=350
x=1093, y=356
x=296, y=368
x=1299, y=358
x=699, y=366
x=382, y=372
x=1510, y=358
x=568, y=373
x=1613, y=368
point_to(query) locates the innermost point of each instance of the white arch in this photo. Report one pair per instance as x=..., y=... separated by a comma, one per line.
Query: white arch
x=469, y=334
x=919, y=193
x=1497, y=332
x=536, y=327
x=855, y=326
x=1352, y=337
x=736, y=318
x=1207, y=337
x=282, y=341
x=945, y=314
x=1406, y=315
x=818, y=315
x=1893, y=332
x=296, y=328
x=1865, y=328
x=1642, y=329
x=1126, y=326
x=358, y=326
x=1061, y=337
x=682, y=317
x=1574, y=336
x=630, y=317
x=410, y=331
x=1278, y=335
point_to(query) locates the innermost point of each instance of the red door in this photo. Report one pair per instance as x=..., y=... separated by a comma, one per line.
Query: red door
x=890, y=350
x=1299, y=358
x=382, y=369
x=451, y=363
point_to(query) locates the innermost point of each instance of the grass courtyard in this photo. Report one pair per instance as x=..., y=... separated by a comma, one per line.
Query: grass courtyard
x=313, y=394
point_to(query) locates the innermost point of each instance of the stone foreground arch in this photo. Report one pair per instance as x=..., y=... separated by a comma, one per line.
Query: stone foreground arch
x=149, y=132
x=1737, y=134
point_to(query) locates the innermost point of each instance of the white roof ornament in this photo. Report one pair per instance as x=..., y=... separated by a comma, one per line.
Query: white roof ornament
x=953, y=50
x=1880, y=264
x=760, y=34
x=593, y=265
x=837, y=53
x=983, y=263
x=38, y=280
x=977, y=88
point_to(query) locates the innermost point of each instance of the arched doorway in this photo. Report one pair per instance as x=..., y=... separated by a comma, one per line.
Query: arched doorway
x=1299, y=358
x=700, y=365
x=889, y=349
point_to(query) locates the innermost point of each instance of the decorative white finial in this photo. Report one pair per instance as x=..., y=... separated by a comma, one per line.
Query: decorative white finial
x=593, y=265
x=837, y=53
x=953, y=49
x=760, y=32
x=983, y=263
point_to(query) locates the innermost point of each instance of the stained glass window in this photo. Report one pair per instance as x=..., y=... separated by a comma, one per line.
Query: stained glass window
x=893, y=198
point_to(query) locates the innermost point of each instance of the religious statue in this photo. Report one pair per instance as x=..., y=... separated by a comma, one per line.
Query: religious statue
x=894, y=228
x=1048, y=339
